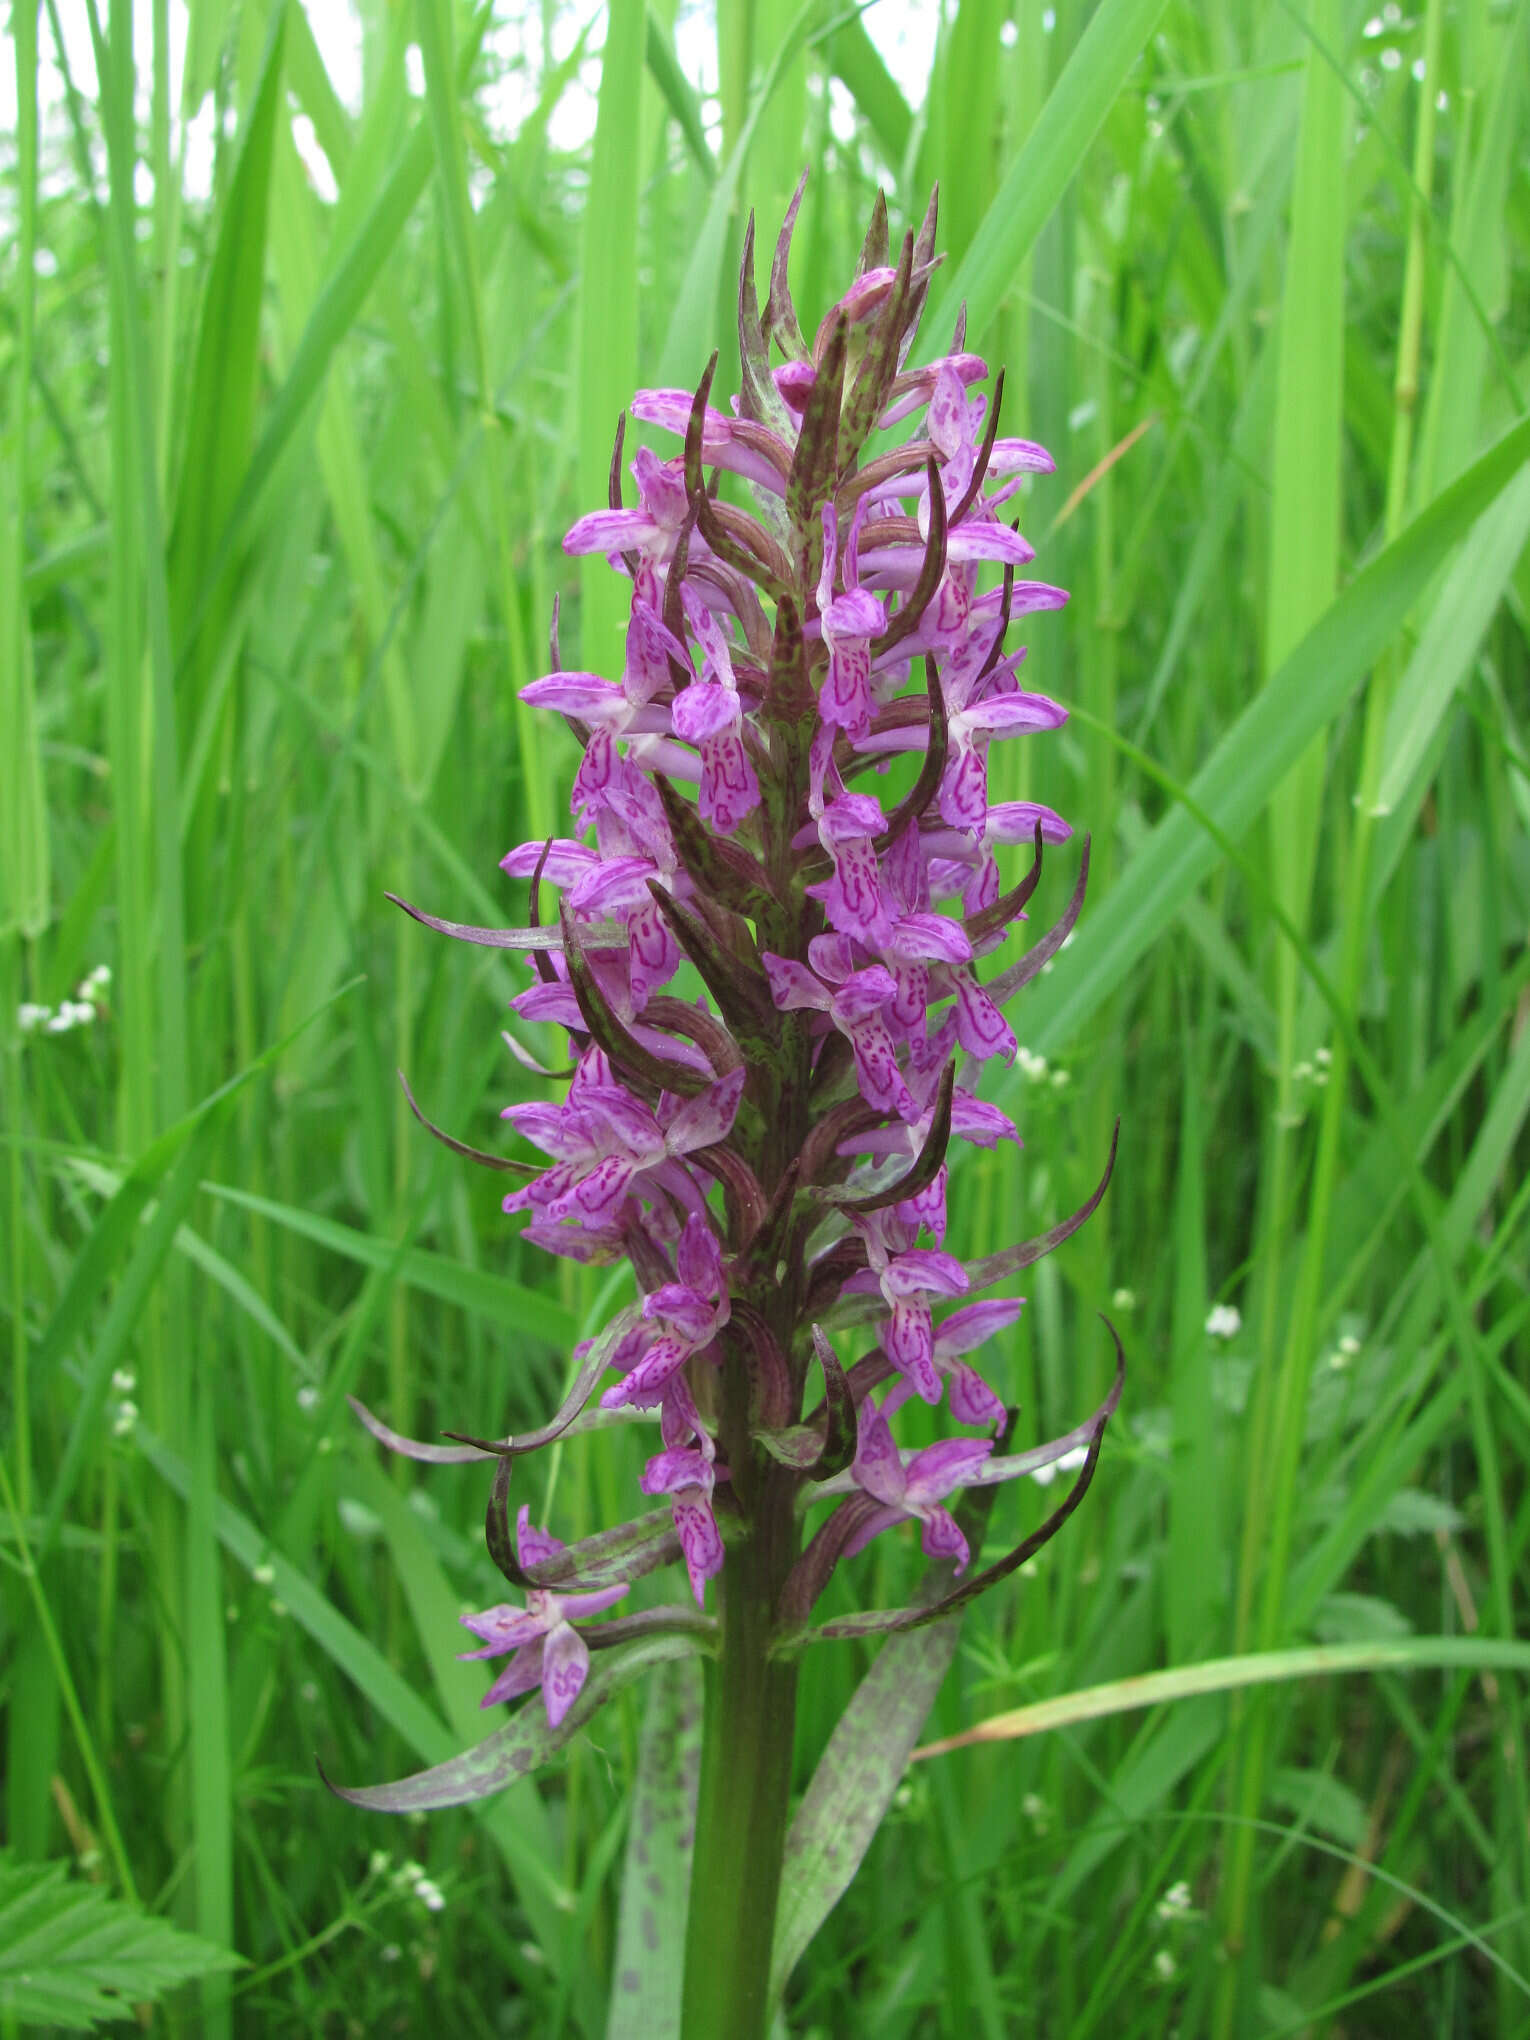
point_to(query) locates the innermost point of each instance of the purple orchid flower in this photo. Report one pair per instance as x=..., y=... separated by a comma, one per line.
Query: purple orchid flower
x=917, y=1488
x=768, y=977
x=548, y=1651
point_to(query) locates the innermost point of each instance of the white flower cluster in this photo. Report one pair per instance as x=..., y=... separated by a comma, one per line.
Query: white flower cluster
x=80, y=1011
x=1037, y=1070
x=124, y=1409
x=410, y=1879
x=1224, y=1321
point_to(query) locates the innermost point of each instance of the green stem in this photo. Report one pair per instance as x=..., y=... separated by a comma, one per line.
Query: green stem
x=745, y=1796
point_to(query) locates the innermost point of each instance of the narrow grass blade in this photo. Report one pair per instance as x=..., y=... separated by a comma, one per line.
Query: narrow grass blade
x=1227, y=1675
x=1044, y=168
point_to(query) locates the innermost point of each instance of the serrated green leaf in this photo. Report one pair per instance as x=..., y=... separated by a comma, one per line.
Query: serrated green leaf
x=72, y=1958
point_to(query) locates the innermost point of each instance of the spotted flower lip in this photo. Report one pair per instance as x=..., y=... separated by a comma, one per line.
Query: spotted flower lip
x=547, y=1649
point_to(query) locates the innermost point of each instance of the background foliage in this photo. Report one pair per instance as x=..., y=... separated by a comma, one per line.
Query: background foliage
x=288, y=450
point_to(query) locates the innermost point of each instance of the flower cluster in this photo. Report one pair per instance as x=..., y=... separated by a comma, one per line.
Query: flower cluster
x=781, y=903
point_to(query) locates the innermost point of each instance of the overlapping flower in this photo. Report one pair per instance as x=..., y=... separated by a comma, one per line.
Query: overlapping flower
x=783, y=804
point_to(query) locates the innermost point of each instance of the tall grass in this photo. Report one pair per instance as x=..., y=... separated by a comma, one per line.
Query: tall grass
x=283, y=478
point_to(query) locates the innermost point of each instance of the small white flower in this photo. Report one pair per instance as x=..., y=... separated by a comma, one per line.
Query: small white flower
x=1302, y=1072
x=1224, y=1321
x=97, y=982
x=1034, y=1807
x=30, y=1018
x=263, y=1575
x=1164, y=1966
x=378, y=1862
x=1061, y=1080
x=391, y=1952
x=308, y=1397
x=124, y=1380
x=1033, y=1067
x=1323, y=1057
x=1175, y=1902
x=1349, y=1345
x=1391, y=58
x=430, y=1895
x=124, y=1419
x=1125, y=1299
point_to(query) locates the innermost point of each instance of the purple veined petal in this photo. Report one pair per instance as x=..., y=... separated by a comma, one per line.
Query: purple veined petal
x=1012, y=715
x=845, y=697
x=920, y=382
x=911, y=998
x=834, y=957
x=942, y=1536
x=855, y=614
x=1020, y=456
x=946, y=419
x=690, y=1317
x=505, y=1628
x=1014, y=821
x=964, y=788
x=881, y=1519
x=975, y=1323
x=566, y=861
x=925, y=1271
x=680, y=1468
x=653, y=955
x=612, y=886
x=793, y=985
x=908, y=1345
x=863, y=994
x=931, y=935
x=971, y=540
x=533, y=1545
x=679, y=1418
x=722, y=445
x=716, y=651
x=928, y=1208
x=822, y=770
x=643, y=1387
x=878, y=1466
x=523, y=1672
x=699, y=1258
x=565, y=1667
x=852, y=897
x=590, y=1247
x=610, y=531
x=952, y=1463
x=700, y=1540
x=1027, y=598
x=706, y=1118
x=970, y=1398
x=585, y=695
x=866, y=294
x=627, y=1120
x=985, y=886
x=594, y=1198
x=729, y=788
x=904, y=873
x=599, y=771
x=552, y=1128
x=849, y=817
x=704, y=709
x=580, y=1607
x=876, y=1068
x=980, y=1027
x=650, y=644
